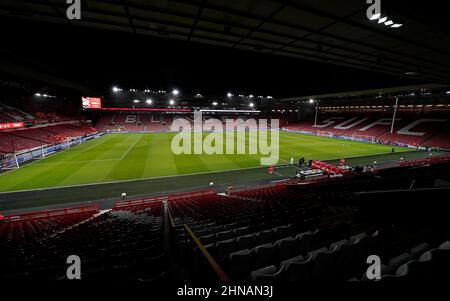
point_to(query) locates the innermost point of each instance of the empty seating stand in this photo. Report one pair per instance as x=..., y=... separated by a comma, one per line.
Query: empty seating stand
x=123, y=244
x=281, y=233
x=29, y=138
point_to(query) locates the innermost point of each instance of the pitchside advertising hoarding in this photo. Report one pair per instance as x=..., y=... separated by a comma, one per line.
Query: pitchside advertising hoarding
x=11, y=125
x=91, y=102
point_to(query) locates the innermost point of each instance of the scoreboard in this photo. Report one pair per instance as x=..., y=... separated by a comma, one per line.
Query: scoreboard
x=91, y=102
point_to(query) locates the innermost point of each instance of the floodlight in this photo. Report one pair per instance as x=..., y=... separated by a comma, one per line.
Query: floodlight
x=375, y=17
x=382, y=20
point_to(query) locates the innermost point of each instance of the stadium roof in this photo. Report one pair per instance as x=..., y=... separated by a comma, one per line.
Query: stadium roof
x=320, y=30
x=374, y=92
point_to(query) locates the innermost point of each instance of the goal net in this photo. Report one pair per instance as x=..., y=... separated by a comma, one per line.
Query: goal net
x=325, y=134
x=363, y=138
x=9, y=161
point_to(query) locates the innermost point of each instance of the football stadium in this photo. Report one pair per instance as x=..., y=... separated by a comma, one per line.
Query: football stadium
x=261, y=143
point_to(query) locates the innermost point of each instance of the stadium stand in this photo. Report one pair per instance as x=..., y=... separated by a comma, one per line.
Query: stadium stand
x=29, y=138
x=156, y=122
x=11, y=114
x=320, y=230
x=132, y=121
x=119, y=244
x=425, y=129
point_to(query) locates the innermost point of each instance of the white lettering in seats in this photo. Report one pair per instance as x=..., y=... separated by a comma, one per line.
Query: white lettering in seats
x=407, y=129
x=131, y=119
x=328, y=122
x=382, y=121
x=346, y=126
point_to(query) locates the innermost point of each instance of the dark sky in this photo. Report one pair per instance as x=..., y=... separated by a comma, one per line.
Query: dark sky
x=100, y=59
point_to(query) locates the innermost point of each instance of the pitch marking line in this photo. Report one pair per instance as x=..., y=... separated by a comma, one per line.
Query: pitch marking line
x=123, y=156
x=69, y=162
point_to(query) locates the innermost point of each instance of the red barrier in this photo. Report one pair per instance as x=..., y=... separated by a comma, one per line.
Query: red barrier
x=171, y=197
x=427, y=161
x=122, y=204
x=179, y=196
x=50, y=213
x=329, y=168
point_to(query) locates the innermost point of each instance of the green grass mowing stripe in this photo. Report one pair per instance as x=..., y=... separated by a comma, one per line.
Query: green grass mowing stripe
x=62, y=174
x=132, y=162
x=136, y=156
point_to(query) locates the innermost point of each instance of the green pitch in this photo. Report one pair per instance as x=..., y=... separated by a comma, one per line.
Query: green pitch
x=120, y=157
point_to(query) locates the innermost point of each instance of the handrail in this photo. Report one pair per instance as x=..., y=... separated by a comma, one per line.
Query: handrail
x=219, y=271
x=51, y=213
x=184, y=195
x=431, y=160
x=169, y=210
x=169, y=197
x=135, y=202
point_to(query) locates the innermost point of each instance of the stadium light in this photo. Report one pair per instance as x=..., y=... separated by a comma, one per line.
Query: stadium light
x=382, y=20
x=149, y=101
x=136, y=101
x=389, y=23
x=37, y=94
x=251, y=105
x=397, y=25
x=214, y=103
x=175, y=92
x=229, y=94
x=171, y=102
x=375, y=17
x=311, y=100
x=251, y=96
x=115, y=89
x=269, y=97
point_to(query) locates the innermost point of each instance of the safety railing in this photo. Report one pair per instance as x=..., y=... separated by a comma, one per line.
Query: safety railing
x=50, y=213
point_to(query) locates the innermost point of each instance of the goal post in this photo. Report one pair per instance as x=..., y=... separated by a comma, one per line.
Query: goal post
x=325, y=134
x=367, y=138
x=9, y=161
